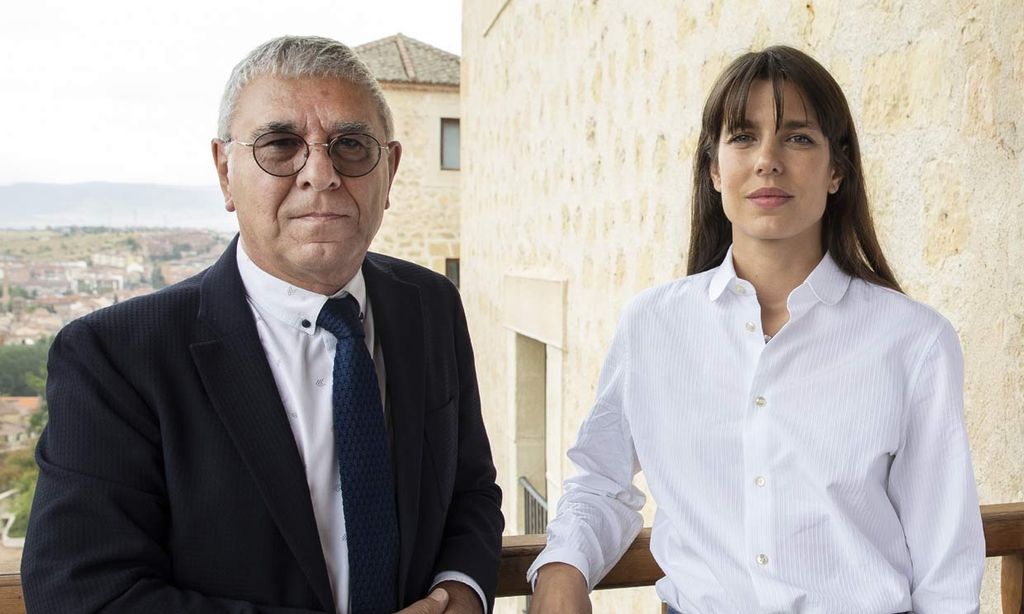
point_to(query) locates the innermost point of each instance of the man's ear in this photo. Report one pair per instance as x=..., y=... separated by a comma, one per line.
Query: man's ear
x=220, y=159
x=394, y=157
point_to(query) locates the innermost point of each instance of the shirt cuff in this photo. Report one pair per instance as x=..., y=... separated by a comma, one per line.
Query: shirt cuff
x=458, y=576
x=560, y=555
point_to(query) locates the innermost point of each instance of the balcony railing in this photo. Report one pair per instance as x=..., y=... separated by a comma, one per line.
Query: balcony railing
x=1004, y=537
x=535, y=515
x=535, y=508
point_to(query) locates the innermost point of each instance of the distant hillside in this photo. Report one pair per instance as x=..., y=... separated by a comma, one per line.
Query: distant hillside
x=38, y=205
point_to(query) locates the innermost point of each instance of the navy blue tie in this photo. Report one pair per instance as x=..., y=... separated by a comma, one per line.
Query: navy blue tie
x=367, y=488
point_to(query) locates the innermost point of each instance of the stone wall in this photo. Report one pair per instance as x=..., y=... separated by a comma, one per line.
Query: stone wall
x=580, y=118
x=422, y=224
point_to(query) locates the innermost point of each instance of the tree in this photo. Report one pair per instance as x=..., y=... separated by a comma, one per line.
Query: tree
x=19, y=292
x=18, y=469
x=157, y=280
x=17, y=362
x=37, y=421
x=22, y=505
x=13, y=467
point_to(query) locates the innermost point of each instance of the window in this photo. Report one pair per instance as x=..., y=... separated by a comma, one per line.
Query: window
x=449, y=144
x=451, y=270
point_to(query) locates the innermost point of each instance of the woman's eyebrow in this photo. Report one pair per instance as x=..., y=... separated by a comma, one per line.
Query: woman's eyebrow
x=798, y=124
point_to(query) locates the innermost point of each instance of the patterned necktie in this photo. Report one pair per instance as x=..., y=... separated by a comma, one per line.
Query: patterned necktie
x=360, y=440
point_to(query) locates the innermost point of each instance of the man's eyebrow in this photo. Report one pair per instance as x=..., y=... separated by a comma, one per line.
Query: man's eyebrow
x=345, y=127
x=350, y=127
x=272, y=126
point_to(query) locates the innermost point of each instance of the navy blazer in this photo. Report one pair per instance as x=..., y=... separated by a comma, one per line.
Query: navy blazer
x=170, y=480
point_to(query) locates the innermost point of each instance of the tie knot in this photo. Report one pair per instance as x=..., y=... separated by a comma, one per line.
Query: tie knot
x=340, y=316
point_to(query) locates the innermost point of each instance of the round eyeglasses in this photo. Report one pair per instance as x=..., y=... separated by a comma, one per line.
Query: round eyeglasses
x=283, y=154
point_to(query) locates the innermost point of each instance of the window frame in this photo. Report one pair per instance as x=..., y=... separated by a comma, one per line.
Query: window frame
x=458, y=153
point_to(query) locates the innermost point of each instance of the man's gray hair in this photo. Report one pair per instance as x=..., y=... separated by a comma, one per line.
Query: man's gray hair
x=301, y=56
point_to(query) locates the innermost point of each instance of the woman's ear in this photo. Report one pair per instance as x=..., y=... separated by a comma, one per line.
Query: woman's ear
x=716, y=177
x=834, y=181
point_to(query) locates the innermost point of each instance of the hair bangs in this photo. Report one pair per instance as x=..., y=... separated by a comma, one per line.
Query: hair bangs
x=765, y=67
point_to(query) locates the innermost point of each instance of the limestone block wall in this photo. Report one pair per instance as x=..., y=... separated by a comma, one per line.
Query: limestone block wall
x=422, y=224
x=579, y=122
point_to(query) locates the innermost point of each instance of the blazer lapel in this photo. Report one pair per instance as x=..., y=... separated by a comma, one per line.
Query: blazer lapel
x=234, y=370
x=398, y=321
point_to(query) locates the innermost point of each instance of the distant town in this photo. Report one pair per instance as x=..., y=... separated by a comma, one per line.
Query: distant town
x=50, y=277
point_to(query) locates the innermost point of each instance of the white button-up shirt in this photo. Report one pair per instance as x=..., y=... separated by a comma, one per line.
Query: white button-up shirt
x=301, y=357
x=825, y=471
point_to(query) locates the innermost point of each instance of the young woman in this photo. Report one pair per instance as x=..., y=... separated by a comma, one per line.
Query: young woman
x=798, y=419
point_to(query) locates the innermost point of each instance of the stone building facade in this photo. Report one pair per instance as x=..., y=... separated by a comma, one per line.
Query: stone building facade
x=421, y=84
x=581, y=119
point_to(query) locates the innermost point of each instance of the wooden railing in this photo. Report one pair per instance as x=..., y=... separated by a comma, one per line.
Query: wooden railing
x=1004, y=537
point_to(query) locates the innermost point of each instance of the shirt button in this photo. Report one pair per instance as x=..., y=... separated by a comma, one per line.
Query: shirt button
x=750, y=327
x=760, y=401
x=760, y=481
x=762, y=559
x=739, y=289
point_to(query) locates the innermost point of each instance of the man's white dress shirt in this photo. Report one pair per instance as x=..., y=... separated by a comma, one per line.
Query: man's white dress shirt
x=301, y=357
x=825, y=471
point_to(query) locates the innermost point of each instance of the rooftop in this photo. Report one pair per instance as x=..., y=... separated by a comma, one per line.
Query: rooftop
x=19, y=405
x=400, y=59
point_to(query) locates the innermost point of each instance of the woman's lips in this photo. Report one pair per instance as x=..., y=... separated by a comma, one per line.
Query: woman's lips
x=769, y=197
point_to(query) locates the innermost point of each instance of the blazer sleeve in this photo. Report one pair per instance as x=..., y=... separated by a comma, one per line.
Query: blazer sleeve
x=96, y=536
x=471, y=541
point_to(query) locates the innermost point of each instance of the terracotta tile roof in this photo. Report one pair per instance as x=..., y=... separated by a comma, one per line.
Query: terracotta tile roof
x=400, y=59
x=19, y=405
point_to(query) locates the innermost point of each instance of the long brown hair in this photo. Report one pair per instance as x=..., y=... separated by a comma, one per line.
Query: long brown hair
x=847, y=231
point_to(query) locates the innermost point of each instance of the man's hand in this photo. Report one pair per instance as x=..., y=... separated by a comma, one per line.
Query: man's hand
x=560, y=589
x=461, y=598
x=434, y=603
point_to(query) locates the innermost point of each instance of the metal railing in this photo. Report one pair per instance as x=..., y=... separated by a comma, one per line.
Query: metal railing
x=535, y=515
x=535, y=508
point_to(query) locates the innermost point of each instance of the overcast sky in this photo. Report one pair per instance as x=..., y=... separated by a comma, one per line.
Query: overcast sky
x=127, y=91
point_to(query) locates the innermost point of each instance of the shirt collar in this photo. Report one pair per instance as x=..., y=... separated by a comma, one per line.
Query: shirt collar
x=290, y=304
x=827, y=281
x=724, y=275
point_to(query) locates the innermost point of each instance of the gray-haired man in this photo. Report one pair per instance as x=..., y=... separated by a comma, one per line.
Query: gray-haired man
x=296, y=429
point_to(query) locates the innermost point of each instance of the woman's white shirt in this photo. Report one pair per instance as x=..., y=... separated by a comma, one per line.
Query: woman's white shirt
x=827, y=470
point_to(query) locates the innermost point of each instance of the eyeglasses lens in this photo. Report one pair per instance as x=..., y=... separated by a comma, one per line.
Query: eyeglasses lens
x=284, y=154
x=280, y=153
x=354, y=155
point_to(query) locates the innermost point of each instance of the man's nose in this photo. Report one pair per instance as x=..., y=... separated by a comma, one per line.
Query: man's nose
x=319, y=172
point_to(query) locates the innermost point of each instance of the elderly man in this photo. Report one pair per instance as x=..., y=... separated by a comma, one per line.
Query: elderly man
x=224, y=445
